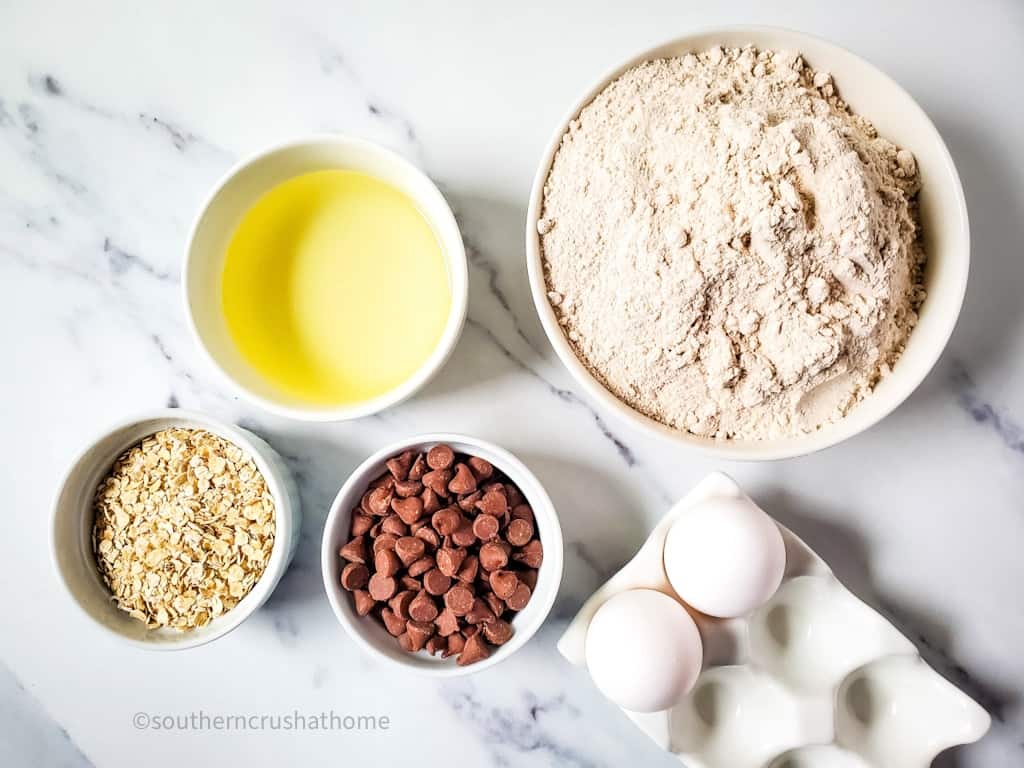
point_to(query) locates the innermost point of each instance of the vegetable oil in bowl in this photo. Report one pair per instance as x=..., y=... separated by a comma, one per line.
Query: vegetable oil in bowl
x=335, y=287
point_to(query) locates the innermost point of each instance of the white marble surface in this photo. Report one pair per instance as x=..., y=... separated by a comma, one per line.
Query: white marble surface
x=114, y=121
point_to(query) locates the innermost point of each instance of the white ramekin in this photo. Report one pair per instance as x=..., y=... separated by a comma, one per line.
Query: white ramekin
x=220, y=215
x=367, y=632
x=897, y=116
x=71, y=529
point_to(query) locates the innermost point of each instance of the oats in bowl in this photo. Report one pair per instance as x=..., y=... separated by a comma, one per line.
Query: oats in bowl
x=184, y=527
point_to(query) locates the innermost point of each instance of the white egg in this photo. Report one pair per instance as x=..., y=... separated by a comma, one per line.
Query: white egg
x=643, y=650
x=725, y=557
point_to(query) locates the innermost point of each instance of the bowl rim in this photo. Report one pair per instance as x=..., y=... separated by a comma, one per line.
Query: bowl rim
x=539, y=500
x=768, y=450
x=285, y=524
x=455, y=260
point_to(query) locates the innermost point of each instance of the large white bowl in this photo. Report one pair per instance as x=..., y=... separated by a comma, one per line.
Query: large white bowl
x=71, y=529
x=897, y=116
x=238, y=191
x=370, y=633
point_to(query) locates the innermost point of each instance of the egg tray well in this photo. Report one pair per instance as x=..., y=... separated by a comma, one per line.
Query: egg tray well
x=814, y=678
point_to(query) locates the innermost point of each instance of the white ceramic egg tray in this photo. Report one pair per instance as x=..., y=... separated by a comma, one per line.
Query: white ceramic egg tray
x=814, y=678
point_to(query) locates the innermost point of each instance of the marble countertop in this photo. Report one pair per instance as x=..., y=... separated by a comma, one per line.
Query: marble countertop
x=115, y=119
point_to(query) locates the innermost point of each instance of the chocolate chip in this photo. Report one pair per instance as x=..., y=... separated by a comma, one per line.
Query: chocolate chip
x=364, y=602
x=456, y=643
x=399, y=465
x=459, y=599
x=493, y=503
x=418, y=468
x=494, y=555
x=382, y=587
x=364, y=503
x=408, y=582
x=410, y=549
x=497, y=631
x=515, y=496
x=463, y=536
x=405, y=489
x=495, y=603
x=379, y=501
x=386, y=562
x=384, y=541
x=440, y=456
x=450, y=560
x=482, y=468
x=486, y=527
x=530, y=555
x=419, y=633
x=360, y=524
x=529, y=578
x=519, y=532
x=447, y=623
x=446, y=521
x=462, y=481
x=522, y=512
x=383, y=480
x=429, y=536
x=431, y=501
x=467, y=502
x=519, y=598
x=436, y=645
x=408, y=510
x=437, y=481
x=354, y=576
x=475, y=650
x=480, y=612
x=393, y=524
x=435, y=582
x=504, y=583
x=392, y=623
x=468, y=571
x=421, y=566
x=422, y=607
x=399, y=604
x=354, y=551
x=405, y=642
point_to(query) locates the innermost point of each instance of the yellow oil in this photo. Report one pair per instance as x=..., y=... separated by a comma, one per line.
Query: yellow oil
x=335, y=287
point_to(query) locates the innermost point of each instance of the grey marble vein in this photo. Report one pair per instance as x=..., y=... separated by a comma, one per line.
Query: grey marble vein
x=476, y=257
x=507, y=732
x=1002, y=423
x=49, y=86
x=565, y=395
x=32, y=133
x=181, y=138
x=121, y=260
x=29, y=737
x=334, y=64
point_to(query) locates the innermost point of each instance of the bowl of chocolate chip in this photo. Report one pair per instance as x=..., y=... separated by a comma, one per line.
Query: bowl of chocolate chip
x=442, y=554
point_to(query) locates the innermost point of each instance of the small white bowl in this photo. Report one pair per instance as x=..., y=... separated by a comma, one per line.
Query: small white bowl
x=897, y=117
x=236, y=193
x=367, y=631
x=71, y=529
